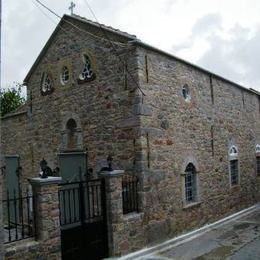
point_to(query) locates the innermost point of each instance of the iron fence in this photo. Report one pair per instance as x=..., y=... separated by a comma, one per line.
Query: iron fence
x=130, y=194
x=19, y=218
x=81, y=202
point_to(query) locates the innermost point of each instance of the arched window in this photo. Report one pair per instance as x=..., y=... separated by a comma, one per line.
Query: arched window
x=65, y=75
x=233, y=151
x=46, y=84
x=71, y=125
x=233, y=165
x=87, y=73
x=190, y=184
x=186, y=93
x=257, y=151
x=71, y=128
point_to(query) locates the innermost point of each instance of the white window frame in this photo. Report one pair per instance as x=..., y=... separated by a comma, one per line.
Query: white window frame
x=186, y=93
x=87, y=73
x=196, y=200
x=62, y=75
x=233, y=156
x=47, y=83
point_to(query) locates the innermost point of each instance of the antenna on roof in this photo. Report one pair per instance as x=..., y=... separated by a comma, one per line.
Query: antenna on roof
x=71, y=7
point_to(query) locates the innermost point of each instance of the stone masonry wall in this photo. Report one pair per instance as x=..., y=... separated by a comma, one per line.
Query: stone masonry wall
x=177, y=132
x=105, y=108
x=154, y=136
x=15, y=141
x=1, y=220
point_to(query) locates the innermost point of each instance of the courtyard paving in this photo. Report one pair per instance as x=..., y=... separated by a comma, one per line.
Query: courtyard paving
x=236, y=240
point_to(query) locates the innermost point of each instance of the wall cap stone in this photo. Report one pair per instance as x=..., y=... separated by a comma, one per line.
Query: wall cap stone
x=191, y=205
x=114, y=173
x=46, y=181
x=134, y=216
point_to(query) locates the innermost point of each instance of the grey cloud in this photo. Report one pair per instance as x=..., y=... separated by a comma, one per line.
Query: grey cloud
x=237, y=58
x=203, y=27
x=206, y=24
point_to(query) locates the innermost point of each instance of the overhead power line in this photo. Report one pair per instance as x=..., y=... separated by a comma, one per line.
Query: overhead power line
x=73, y=25
x=102, y=30
x=112, y=45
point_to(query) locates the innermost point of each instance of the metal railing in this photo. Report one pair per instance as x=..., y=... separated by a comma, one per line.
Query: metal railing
x=81, y=202
x=19, y=218
x=130, y=194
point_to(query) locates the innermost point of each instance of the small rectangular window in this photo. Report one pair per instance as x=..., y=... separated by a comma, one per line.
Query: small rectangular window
x=234, y=172
x=258, y=166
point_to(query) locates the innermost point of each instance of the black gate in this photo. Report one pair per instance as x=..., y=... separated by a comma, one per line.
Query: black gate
x=83, y=220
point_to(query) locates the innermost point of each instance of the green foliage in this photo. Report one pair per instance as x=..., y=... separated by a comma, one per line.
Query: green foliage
x=11, y=99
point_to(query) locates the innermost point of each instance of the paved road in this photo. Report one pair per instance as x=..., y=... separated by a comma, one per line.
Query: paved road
x=237, y=240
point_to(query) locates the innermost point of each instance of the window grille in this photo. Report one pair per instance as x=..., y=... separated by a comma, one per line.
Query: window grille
x=234, y=172
x=258, y=165
x=130, y=194
x=190, y=184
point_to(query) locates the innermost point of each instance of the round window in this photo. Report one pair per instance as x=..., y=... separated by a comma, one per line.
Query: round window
x=65, y=75
x=186, y=92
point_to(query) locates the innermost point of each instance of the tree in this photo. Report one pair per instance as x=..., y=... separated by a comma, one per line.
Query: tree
x=11, y=99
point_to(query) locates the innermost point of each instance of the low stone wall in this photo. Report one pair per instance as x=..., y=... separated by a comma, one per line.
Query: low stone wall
x=131, y=233
x=30, y=250
x=125, y=232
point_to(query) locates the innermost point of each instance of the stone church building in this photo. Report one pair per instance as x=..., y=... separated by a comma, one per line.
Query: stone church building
x=190, y=136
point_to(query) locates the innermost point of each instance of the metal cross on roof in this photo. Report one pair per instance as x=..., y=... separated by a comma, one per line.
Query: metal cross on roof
x=72, y=6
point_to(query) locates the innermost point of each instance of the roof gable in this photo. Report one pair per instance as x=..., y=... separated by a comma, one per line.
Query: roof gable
x=70, y=19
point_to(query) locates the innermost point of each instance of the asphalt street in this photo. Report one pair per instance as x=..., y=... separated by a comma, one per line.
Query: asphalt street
x=236, y=240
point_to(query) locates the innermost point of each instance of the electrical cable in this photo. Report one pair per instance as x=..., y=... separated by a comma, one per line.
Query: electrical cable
x=104, y=33
x=113, y=47
x=75, y=26
x=68, y=32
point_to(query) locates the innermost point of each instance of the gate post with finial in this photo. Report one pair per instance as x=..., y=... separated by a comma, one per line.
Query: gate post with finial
x=46, y=208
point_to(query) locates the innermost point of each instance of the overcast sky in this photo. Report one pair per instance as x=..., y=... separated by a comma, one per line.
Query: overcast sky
x=222, y=36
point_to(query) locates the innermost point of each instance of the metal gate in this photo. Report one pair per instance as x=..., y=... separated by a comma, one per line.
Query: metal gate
x=83, y=220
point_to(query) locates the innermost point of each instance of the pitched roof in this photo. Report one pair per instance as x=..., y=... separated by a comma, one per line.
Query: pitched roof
x=81, y=19
x=134, y=40
x=108, y=28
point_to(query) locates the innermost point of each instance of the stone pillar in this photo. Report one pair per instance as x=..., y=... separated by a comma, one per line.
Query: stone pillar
x=113, y=183
x=47, y=215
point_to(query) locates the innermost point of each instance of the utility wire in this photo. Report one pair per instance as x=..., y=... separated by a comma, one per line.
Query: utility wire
x=112, y=45
x=46, y=15
x=68, y=32
x=104, y=33
x=73, y=25
x=46, y=7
